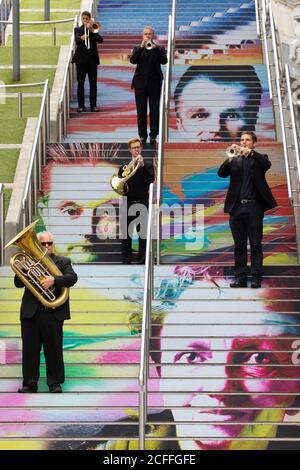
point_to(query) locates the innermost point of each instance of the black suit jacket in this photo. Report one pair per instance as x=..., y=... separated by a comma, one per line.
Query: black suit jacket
x=234, y=169
x=148, y=65
x=138, y=184
x=82, y=55
x=30, y=303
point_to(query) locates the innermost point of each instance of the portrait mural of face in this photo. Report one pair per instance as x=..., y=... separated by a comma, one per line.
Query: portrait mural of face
x=227, y=372
x=217, y=103
x=77, y=203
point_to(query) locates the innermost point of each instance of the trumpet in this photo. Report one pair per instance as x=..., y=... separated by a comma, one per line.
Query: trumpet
x=150, y=45
x=233, y=151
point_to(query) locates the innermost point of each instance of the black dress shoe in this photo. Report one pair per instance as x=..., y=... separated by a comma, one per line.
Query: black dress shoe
x=94, y=109
x=80, y=110
x=256, y=283
x=239, y=283
x=153, y=142
x=143, y=142
x=28, y=389
x=55, y=388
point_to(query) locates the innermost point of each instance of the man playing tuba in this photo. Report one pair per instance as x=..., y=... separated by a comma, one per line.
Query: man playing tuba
x=41, y=326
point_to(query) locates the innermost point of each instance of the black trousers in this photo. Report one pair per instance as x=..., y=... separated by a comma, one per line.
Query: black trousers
x=90, y=69
x=43, y=329
x=127, y=227
x=246, y=222
x=150, y=94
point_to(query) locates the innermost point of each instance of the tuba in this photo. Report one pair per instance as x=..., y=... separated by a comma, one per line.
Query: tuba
x=119, y=185
x=33, y=265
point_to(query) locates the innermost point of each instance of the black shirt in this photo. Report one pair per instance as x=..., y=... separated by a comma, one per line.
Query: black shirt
x=248, y=190
x=138, y=184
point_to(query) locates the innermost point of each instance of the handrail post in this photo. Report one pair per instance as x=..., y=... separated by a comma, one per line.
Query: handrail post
x=145, y=332
x=16, y=40
x=160, y=170
x=284, y=140
x=2, y=224
x=293, y=119
x=168, y=79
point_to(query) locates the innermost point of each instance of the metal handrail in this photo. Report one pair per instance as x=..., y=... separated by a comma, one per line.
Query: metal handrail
x=159, y=177
x=2, y=224
x=168, y=78
x=146, y=326
x=33, y=179
x=170, y=55
x=67, y=20
x=293, y=118
x=23, y=85
x=280, y=104
x=265, y=42
x=257, y=18
x=66, y=91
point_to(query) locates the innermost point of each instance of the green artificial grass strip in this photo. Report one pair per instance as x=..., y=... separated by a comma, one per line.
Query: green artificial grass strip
x=39, y=16
x=41, y=41
x=54, y=4
x=31, y=107
x=12, y=130
x=7, y=196
x=8, y=163
x=29, y=76
x=30, y=55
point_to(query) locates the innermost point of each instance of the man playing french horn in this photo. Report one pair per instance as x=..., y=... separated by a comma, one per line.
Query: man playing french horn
x=41, y=326
x=135, y=201
x=248, y=197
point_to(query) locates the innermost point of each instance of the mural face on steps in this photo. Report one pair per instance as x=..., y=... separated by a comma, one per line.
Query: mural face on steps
x=224, y=364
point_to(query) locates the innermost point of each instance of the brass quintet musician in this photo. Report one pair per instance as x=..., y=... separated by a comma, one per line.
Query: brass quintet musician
x=42, y=326
x=134, y=207
x=248, y=197
x=146, y=82
x=86, y=58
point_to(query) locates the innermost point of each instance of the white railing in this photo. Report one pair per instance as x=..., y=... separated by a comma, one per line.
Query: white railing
x=2, y=224
x=159, y=175
x=37, y=160
x=170, y=56
x=280, y=92
x=146, y=325
x=66, y=90
x=36, y=23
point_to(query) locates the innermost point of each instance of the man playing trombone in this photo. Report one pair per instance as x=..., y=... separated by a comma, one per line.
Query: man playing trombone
x=86, y=58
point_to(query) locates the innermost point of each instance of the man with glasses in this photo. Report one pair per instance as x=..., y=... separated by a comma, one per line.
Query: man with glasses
x=135, y=202
x=41, y=326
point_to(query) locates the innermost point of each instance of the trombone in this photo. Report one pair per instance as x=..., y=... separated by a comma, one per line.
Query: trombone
x=95, y=29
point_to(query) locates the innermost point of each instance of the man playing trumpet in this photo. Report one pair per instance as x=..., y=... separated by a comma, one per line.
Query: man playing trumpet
x=86, y=58
x=146, y=83
x=248, y=197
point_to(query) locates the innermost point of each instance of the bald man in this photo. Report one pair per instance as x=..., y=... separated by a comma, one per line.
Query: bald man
x=43, y=327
